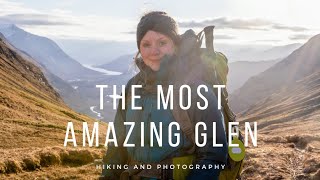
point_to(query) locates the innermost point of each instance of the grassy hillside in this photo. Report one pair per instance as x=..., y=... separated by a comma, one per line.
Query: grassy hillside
x=33, y=121
x=289, y=133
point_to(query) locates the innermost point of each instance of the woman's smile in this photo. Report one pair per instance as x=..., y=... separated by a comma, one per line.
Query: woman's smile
x=153, y=47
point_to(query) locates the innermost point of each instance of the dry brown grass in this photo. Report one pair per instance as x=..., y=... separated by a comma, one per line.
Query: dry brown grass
x=33, y=121
x=288, y=134
x=84, y=172
x=34, y=159
x=286, y=152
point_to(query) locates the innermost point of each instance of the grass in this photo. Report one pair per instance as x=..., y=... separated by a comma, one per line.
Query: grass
x=72, y=116
x=31, y=163
x=32, y=160
x=12, y=166
x=33, y=121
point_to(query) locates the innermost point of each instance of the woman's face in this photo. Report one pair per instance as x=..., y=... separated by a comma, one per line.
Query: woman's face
x=153, y=47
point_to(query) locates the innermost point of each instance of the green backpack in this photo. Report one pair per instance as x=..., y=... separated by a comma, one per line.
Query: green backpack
x=216, y=66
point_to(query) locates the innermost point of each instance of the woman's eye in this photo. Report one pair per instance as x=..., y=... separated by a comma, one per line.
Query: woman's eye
x=146, y=45
x=162, y=43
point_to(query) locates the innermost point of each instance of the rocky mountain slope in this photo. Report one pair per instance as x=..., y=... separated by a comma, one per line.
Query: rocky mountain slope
x=33, y=121
x=289, y=133
x=57, y=66
x=284, y=101
x=47, y=53
x=299, y=64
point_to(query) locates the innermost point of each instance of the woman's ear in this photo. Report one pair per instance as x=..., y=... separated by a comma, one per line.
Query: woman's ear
x=137, y=55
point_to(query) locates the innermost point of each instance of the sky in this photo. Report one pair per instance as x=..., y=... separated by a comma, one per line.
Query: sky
x=276, y=22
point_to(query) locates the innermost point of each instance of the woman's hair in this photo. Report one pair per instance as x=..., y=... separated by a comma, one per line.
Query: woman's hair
x=160, y=22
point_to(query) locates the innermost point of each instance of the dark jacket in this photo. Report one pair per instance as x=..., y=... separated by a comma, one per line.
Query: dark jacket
x=149, y=80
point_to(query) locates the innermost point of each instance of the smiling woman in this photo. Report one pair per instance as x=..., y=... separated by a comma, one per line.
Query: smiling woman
x=158, y=43
x=154, y=46
x=155, y=39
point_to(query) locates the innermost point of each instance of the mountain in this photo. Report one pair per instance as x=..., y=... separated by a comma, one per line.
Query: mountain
x=299, y=64
x=284, y=101
x=237, y=52
x=241, y=71
x=33, y=120
x=57, y=66
x=288, y=132
x=70, y=95
x=296, y=101
x=120, y=64
x=101, y=51
x=279, y=51
x=47, y=53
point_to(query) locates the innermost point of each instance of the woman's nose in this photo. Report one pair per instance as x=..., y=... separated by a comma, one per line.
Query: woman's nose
x=155, y=51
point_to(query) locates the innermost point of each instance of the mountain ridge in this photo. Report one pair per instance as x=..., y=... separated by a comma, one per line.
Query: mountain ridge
x=300, y=63
x=46, y=52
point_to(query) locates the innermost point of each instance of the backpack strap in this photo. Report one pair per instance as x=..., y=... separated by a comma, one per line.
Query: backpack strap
x=182, y=117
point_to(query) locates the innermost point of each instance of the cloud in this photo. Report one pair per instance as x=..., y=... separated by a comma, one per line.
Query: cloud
x=268, y=40
x=255, y=24
x=221, y=36
x=242, y=24
x=9, y=7
x=61, y=22
x=33, y=19
x=291, y=28
x=300, y=37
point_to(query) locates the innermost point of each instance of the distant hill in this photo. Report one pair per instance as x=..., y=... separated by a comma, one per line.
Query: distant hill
x=299, y=100
x=47, y=53
x=279, y=52
x=241, y=71
x=101, y=51
x=250, y=61
x=120, y=64
x=256, y=52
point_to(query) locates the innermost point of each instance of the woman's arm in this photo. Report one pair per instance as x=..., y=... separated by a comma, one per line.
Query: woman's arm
x=116, y=155
x=208, y=154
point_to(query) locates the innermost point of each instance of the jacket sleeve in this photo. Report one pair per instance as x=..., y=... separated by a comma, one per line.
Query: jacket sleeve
x=117, y=155
x=208, y=154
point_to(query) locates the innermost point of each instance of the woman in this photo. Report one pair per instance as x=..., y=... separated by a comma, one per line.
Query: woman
x=158, y=44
